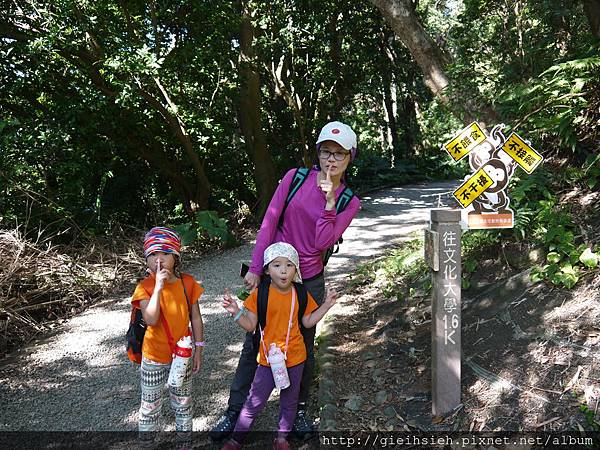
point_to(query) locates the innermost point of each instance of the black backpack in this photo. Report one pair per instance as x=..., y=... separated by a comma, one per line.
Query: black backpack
x=263, y=301
x=342, y=202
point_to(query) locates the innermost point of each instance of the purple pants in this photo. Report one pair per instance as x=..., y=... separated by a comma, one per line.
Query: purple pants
x=262, y=386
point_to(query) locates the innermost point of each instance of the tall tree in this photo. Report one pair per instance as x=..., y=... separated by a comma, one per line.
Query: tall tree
x=250, y=113
x=124, y=67
x=432, y=60
x=592, y=11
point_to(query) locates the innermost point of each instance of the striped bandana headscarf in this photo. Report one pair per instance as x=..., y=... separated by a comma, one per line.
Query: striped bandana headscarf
x=162, y=239
x=287, y=251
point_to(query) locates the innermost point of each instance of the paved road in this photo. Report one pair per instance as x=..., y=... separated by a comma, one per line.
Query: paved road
x=80, y=379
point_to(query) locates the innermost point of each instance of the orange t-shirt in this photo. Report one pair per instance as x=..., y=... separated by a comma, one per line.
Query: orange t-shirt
x=173, y=307
x=278, y=316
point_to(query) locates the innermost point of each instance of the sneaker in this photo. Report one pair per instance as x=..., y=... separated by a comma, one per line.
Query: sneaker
x=232, y=444
x=224, y=426
x=302, y=428
x=281, y=444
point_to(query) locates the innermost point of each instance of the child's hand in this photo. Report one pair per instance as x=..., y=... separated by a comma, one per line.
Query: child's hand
x=162, y=275
x=331, y=296
x=197, y=360
x=230, y=303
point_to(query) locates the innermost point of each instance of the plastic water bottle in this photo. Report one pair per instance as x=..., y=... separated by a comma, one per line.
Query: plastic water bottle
x=181, y=361
x=277, y=362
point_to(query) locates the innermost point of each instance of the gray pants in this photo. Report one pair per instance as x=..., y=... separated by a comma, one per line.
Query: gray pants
x=244, y=374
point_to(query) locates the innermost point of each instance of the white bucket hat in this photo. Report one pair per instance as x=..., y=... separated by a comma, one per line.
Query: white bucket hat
x=287, y=251
x=341, y=133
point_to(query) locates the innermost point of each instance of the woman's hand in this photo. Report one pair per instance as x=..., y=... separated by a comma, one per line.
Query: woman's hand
x=331, y=296
x=230, y=303
x=197, y=359
x=251, y=281
x=326, y=186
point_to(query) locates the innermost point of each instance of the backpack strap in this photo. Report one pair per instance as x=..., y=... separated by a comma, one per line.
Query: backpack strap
x=300, y=177
x=187, y=299
x=261, y=309
x=263, y=301
x=342, y=202
x=302, y=301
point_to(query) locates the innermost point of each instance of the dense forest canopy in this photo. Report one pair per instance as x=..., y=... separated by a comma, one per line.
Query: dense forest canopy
x=144, y=112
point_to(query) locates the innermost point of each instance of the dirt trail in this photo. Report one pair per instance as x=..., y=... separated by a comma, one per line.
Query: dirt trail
x=80, y=379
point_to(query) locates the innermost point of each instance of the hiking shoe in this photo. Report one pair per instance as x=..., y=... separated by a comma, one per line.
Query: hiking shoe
x=224, y=426
x=281, y=444
x=232, y=444
x=303, y=427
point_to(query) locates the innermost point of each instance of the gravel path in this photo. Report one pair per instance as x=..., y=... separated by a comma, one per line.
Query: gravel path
x=80, y=379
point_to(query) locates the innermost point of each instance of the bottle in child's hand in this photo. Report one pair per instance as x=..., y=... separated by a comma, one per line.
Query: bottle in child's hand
x=277, y=362
x=243, y=294
x=181, y=361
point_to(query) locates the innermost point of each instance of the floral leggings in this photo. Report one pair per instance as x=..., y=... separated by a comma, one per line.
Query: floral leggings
x=153, y=379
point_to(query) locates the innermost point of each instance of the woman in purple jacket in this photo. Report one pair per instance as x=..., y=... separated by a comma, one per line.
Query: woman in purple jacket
x=311, y=225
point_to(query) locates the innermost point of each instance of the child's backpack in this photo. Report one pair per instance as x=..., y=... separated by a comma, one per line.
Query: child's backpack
x=137, y=326
x=135, y=335
x=263, y=301
x=342, y=202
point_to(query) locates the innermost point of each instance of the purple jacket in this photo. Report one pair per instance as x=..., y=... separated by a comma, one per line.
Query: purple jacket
x=306, y=224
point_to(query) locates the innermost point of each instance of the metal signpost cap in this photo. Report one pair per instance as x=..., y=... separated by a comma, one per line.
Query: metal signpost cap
x=445, y=215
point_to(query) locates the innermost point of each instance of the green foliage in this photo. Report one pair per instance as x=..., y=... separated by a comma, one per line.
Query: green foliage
x=589, y=259
x=477, y=241
x=469, y=265
x=212, y=224
x=207, y=225
x=554, y=103
x=588, y=175
x=120, y=113
x=541, y=219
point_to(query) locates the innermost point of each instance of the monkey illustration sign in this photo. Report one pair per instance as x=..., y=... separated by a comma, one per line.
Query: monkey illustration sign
x=493, y=160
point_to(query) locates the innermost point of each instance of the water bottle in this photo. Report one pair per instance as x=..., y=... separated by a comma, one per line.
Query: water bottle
x=181, y=361
x=277, y=362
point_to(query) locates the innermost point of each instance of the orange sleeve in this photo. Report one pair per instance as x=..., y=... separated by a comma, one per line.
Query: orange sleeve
x=197, y=291
x=139, y=294
x=311, y=305
x=251, y=303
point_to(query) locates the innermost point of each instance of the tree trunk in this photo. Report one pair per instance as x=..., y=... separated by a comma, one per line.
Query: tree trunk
x=202, y=192
x=250, y=120
x=592, y=11
x=432, y=61
x=389, y=103
x=409, y=116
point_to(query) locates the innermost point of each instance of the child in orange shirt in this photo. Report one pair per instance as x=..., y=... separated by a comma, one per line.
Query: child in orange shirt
x=164, y=297
x=281, y=327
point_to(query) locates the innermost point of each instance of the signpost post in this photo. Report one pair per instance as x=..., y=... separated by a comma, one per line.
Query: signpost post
x=444, y=236
x=493, y=159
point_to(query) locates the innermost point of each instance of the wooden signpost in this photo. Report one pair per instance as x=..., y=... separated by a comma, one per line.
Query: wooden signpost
x=493, y=160
x=445, y=264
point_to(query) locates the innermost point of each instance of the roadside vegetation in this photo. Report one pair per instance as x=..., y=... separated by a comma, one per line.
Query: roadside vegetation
x=115, y=118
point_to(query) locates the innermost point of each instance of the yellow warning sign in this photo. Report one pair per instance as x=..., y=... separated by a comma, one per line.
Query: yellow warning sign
x=523, y=153
x=472, y=188
x=465, y=141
